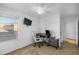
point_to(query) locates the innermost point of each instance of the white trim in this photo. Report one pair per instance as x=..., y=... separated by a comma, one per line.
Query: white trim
x=77, y=31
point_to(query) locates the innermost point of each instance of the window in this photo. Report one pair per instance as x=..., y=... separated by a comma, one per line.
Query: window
x=8, y=28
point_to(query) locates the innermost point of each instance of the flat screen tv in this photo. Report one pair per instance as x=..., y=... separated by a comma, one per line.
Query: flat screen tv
x=27, y=22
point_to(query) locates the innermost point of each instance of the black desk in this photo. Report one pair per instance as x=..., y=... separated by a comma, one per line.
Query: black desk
x=54, y=42
x=41, y=35
x=51, y=40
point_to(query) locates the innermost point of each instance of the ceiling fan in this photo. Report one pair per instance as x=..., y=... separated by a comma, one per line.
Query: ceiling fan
x=42, y=7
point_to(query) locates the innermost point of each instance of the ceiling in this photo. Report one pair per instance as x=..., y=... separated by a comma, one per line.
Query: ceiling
x=65, y=9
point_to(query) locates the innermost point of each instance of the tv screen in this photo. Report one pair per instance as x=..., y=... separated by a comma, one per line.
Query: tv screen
x=27, y=22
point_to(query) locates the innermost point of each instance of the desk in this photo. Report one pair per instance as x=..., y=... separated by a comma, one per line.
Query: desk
x=54, y=42
x=41, y=35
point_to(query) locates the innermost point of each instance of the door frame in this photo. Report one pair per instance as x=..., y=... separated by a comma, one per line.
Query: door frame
x=77, y=32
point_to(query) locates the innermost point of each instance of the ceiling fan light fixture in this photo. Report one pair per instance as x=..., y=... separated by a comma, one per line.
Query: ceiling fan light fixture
x=39, y=10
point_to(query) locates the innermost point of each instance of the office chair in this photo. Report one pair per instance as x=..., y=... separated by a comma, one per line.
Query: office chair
x=47, y=33
x=47, y=36
x=38, y=40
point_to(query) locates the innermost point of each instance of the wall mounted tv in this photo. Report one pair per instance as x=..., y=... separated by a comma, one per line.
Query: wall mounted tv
x=27, y=22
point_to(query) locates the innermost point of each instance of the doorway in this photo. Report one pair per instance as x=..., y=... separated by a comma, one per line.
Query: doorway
x=68, y=30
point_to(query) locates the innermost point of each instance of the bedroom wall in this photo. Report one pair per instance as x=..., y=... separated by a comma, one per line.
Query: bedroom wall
x=51, y=23
x=24, y=36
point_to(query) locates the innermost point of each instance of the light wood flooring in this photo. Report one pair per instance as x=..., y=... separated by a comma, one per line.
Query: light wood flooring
x=71, y=41
x=65, y=49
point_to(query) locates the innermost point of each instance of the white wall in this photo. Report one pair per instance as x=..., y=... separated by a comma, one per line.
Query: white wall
x=70, y=24
x=52, y=23
x=24, y=36
x=62, y=29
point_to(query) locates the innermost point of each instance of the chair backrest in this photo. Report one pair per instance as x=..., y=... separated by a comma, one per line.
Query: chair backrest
x=34, y=36
x=48, y=33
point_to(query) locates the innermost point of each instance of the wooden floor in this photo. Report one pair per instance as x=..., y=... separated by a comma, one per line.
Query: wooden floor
x=71, y=41
x=66, y=49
